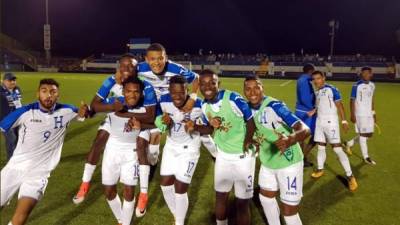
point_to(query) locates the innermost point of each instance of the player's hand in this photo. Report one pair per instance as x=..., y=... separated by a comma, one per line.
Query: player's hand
x=117, y=106
x=166, y=119
x=251, y=143
x=311, y=113
x=283, y=142
x=214, y=121
x=353, y=118
x=188, y=106
x=345, y=126
x=83, y=111
x=134, y=124
x=189, y=126
x=118, y=75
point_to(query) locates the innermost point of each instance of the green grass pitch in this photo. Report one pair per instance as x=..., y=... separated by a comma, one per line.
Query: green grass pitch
x=326, y=201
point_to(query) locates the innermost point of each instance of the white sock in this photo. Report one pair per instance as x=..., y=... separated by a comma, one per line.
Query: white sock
x=293, y=220
x=169, y=197
x=344, y=160
x=222, y=222
x=181, y=208
x=364, y=146
x=353, y=141
x=127, y=211
x=115, y=206
x=88, y=172
x=271, y=209
x=144, y=172
x=209, y=143
x=321, y=156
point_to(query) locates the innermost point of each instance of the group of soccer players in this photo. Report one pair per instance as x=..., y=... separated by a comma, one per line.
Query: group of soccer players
x=144, y=100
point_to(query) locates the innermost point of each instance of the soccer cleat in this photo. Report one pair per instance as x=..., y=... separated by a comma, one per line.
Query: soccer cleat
x=347, y=148
x=368, y=160
x=352, y=183
x=83, y=190
x=142, y=204
x=317, y=173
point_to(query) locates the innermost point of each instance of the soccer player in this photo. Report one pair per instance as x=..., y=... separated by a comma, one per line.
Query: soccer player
x=328, y=104
x=182, y=149
x=234, y=128
x=112, y=87
x=363, y=113
x=279, y=132
x=42, y=130
x=305, y=107
x=120, y=159
x=157, y=70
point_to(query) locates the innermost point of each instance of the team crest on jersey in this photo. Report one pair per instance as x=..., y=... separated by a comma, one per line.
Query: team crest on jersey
x=127, y=128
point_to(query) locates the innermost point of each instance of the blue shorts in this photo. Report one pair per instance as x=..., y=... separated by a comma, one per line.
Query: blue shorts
x=309, y=121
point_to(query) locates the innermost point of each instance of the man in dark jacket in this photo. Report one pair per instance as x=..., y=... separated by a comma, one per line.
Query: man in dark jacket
x=10, y=100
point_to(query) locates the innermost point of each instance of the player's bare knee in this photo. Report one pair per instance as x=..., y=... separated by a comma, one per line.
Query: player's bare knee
x=268, y=194
x=336, y=145
x=289, y=210
x=368, y=135
x=129, y=192
x=110, y=192
x=167, y=180
x=180, y=187
x=321, y=144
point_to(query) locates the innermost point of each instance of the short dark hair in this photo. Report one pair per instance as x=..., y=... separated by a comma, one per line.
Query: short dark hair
x=127, y=55
x=366, y=68
x=177, y=80
x=318, y=72
x=207, y=72
x=49, y=81
x=156, y=47
x=308, y=68
x=133, y=80
x=251, y=77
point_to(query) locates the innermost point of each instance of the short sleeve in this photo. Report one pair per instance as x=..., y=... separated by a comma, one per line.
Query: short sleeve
x=149, y=95
x=242, y=105
x=283, y=111
x=105, y=88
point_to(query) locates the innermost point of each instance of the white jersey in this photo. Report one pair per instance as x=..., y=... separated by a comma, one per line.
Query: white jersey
x=362, y=93
x=41, y=135
x=120, y=134
x=160, y=82
x=177, y=134
x=326, y=97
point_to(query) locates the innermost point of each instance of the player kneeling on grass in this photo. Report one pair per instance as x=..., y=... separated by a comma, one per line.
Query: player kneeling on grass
x=182, y=149
x=363, y=113
x=328, y=103
x=43, y=127
x=120, y=161
x=233, y=124
x=278, y=133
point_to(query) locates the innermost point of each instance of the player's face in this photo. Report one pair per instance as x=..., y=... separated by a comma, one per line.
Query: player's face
x=318, y=80
x=178, y=94
x=156, y=60
x=48, y=95
x=366, y=75
x=209, y=86
x=254, y=92
x=126, y=68
x=10, y=84
x=132, y=94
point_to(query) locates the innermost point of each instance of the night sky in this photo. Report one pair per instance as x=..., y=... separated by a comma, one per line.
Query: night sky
x=83, y=27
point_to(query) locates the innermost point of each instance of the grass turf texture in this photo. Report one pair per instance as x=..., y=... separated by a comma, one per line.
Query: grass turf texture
x=326, y=201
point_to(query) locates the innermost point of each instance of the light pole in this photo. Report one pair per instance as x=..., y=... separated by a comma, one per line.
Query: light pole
x=334, y=25
x=46, y=35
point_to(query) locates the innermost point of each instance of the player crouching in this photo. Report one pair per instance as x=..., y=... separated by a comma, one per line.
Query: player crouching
x=120, y=161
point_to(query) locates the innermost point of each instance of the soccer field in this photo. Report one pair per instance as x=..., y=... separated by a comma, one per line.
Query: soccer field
x=326, y=201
